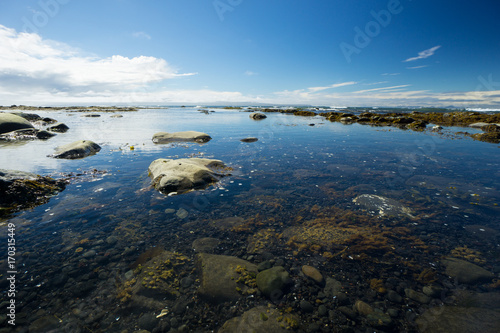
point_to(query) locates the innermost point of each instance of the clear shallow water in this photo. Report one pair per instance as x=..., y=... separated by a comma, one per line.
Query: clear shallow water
x=294, y=170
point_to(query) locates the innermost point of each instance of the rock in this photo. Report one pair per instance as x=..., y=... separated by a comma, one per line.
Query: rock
x=249, y=140
x=10, y=122
x=91, y=115
x=394, y=296
x=147, y=321
x=182, y=213
x=459, y=319
x=116, y=116
x=205, y=245
x=257, y=116
x=312, y=273
x=273, y=281
x=187, y=136
x=219, y=277
x=491, y=128
x=433, y=291
x=363, y=308
x=382, y=205
x=26, y=134
x=466, y=272
x=437, y=128
x=478, y=125
x=417, y=296
x=306, y=306
x=45, y=324
x=59, y=127
x=261, y=319
x=379, y=319
x=77, y=149
x=228, y=223
x=31, y=117
x=185, y=174
x=19, y=190
x=333, y=288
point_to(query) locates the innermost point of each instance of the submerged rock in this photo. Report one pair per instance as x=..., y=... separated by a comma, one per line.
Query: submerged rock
x=383, y=206
x=187, y=136
x=312, y=273
x=10, y=122
x=273, y=281
x=257, y=116
x=219, y=277
x=19, y=190
x=77, y=149
x=466, y=272
x=459, y=319
x=261, y=319
x=185, y=174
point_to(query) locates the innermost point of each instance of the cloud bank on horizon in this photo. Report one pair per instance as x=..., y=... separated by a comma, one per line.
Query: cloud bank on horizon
x=233, y=62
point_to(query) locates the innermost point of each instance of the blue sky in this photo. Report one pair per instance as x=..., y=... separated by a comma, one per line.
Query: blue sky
x=323, y=52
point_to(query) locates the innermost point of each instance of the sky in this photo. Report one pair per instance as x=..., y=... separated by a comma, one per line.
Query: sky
x=205, y=52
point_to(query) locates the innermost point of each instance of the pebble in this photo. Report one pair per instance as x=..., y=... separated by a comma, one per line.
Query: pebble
x=417, y=296
x=169, y=211
x=394, y=296
x=312, y=273
x=363, y=308
x=89, y=254
x=322, y=310
x=182, y=213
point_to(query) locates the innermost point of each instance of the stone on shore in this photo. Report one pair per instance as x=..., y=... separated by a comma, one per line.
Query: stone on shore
x=77, y=149
x=466, y=272
x=185, y=174
x=219, y=276
x=59, y=127
x=261, y=319
x=257, y=116
x=187, y=136
x=10, y=122
x=249, y=140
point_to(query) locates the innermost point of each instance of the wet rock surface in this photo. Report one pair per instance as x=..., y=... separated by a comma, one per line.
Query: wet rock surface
x=187, y=136
x=21, y=190
x=181, y=175
x=466, y=272
x=382, y=205
x=77, y=149
x=261, y=319
x=10, y=122
x=257, y=116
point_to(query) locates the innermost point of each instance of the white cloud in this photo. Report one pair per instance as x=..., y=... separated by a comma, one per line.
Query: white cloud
x=424, y=54
x=336, y=85
x=383, y=88
x=391, y=74
x=417, y=67
x=30, y=63
x=250, y=73
x=141, y=35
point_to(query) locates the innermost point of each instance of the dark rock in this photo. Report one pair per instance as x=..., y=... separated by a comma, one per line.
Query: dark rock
x=264, y=265
x=459, y=319
x=44, y=324
x=306, y=306
x=249, y=140
x=379, y=319
x=322, y=310
x=394, y=296
x=147, y=321
x=257, y=116
x=206, y=244
x=59, y=127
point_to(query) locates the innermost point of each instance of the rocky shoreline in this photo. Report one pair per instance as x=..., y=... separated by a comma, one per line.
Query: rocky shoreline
x=365, y=265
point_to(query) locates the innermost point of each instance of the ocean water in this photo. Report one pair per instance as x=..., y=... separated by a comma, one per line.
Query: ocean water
x=303, y=172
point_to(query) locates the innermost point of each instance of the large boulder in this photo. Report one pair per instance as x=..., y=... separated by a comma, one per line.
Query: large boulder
x=19, y=190
x=187, y=136
x=181, y=175
x=221, y=277
x=10, y=122
x=77, y=149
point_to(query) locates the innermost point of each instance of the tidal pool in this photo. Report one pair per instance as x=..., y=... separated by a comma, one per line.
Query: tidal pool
x=109, y=253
